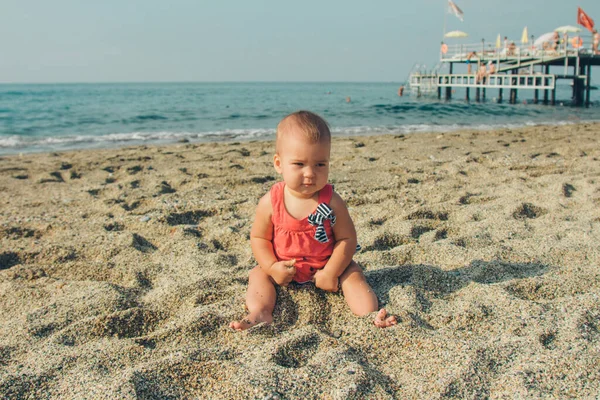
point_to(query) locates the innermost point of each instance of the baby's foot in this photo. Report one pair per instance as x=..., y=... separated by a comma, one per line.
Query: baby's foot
x=249, y=321
x=383, y=321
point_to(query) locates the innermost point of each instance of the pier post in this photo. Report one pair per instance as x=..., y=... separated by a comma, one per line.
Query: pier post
x=483, y=94
x=513, y=92
x=578, y=86
x=449, y=89
x=587, y=85
x=553, y=99
x=477, y=94
x=439, y=91
x=499, y=95
x=535, y=96
x=467, y=94
x=546, y=83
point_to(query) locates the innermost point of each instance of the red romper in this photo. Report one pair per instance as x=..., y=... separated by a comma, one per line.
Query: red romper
x=295, y=239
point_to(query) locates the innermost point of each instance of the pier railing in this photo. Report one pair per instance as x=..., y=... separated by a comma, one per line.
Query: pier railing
x=423, y=84
x=479, y=52
x=500, y=81
x=429, y=83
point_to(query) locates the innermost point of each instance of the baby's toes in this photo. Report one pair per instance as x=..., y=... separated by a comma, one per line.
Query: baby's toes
x=383, y=321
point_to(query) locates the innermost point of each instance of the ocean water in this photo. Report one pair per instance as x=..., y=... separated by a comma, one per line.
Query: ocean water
x=54, y=117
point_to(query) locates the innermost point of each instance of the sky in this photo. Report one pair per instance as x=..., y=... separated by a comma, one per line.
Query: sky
x=56, y=41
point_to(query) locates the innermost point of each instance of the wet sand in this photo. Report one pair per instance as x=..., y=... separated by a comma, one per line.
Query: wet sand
x=120, y=270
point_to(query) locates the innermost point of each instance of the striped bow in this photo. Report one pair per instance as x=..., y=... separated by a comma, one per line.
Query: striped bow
x=317, y=219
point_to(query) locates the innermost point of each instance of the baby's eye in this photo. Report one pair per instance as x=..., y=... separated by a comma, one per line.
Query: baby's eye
x=298, y=163
x=321, y=165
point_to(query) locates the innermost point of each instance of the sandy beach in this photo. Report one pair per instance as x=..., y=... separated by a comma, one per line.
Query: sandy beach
x=120, y=270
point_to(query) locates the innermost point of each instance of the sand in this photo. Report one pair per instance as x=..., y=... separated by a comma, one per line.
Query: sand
x=120, y=270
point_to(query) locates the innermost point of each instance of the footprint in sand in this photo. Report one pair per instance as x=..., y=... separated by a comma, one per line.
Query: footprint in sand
x=568, y=189
x=588, y=325
x=164, y=188
x=16, y=232
x=387, y=241
x=418, y=230
x=134, y=170
x=131, y=206
x=441, y=234
x=188, y=217
x=262, y=179
x=428, y=214
x=131, y=323
x=296, y=351
x=141, y=244
x=377, y=221
x=529, y=211
x=58, y=178
x=114, y=227
x=547, y=339
x=94, y=192
x=9, y=259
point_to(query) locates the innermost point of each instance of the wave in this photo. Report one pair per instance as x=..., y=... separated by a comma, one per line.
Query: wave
x=15, y=144
x=423, y=128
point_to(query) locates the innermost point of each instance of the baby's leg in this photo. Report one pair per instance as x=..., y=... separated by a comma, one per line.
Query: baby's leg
x=260, y=300
x=360, y=297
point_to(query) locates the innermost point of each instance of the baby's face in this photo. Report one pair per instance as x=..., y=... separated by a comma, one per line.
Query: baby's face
x=303, y=165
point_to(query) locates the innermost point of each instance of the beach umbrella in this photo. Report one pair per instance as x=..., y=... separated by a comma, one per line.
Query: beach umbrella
x=524, y=38
x=546, y=37
x=456, y=34
x=568, y=29
x=498, y=42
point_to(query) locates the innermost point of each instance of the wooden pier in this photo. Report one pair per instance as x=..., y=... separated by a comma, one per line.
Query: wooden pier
x=519, y=68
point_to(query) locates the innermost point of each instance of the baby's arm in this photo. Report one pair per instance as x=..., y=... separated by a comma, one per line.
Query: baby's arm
x=344, y=249
x=261, y=240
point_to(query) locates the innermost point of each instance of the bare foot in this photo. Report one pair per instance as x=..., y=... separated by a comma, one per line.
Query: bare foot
x=383, y=321
x=249, y=321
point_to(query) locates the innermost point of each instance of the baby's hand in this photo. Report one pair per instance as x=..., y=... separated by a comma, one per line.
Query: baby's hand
x=282, y=272
x=326, y=281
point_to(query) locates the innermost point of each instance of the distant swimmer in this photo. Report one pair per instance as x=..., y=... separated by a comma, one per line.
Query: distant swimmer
x=348, y=100
x=400, y=91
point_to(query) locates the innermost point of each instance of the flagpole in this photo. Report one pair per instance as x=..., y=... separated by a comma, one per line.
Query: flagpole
x=445, y=16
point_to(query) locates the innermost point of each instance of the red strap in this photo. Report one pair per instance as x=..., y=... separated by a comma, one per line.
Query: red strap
x=326, y=194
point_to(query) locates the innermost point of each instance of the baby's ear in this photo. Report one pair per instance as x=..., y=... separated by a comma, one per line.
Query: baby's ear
x=277, y=163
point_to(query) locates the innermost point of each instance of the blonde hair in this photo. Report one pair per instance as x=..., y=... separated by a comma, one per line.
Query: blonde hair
x=313, y=126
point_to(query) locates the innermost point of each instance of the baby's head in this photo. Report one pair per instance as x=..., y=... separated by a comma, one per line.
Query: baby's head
x=302, y=151
x=303, y=124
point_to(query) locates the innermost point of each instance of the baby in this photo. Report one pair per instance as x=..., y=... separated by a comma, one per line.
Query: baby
x=302, y=230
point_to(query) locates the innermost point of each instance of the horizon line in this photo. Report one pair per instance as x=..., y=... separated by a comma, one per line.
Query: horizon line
x=183, y=81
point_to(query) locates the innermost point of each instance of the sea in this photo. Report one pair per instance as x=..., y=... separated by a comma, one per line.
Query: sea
x=58, y=117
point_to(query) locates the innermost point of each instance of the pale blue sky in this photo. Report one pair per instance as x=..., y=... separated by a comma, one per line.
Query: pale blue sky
x=255, y=40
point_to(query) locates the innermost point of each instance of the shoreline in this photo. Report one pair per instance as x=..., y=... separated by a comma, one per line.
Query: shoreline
x=108, y=142
x=120, y=270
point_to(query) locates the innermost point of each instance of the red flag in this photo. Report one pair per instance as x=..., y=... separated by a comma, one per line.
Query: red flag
x=584, y=20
